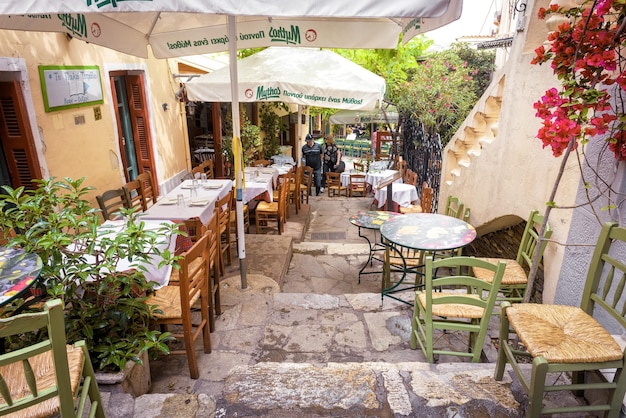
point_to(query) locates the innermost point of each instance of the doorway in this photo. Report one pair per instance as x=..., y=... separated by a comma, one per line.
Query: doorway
x=19, y=164
x=135, y=143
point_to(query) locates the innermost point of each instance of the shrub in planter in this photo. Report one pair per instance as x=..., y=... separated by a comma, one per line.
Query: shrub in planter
x=104, y=307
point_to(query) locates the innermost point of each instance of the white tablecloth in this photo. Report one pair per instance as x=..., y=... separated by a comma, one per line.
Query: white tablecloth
x=403, y=194
x=257, y=187
x=250, y=173
x=153, y=272
x=283, y=159
x=345, y=178
x=373, y=178
x=199, y=202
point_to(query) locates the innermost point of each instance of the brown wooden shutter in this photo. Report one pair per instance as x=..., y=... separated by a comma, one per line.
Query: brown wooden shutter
x=140, y=122
x=16, y=136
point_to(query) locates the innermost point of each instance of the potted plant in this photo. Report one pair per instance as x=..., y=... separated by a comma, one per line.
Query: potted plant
x=102, y=306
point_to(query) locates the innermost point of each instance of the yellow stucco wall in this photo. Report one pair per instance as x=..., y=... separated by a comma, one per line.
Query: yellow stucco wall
x=91, y=149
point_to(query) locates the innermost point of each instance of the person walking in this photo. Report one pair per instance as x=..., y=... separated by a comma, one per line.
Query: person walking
x=332, y=157
x=312, y=154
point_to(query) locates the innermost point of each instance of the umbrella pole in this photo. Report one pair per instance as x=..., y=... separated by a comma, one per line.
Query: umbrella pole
x=299, y=144
x=237, y=150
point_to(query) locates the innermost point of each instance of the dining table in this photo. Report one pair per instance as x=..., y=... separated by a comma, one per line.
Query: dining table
x=190, y=199
x=259, y=183
x=403, y=195
x=19, y=273
x=371, y=220
x=425, y=233
x=153, y=272
x=375, y=176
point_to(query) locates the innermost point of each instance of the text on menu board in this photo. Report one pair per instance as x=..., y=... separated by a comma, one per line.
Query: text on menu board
x=66, y=87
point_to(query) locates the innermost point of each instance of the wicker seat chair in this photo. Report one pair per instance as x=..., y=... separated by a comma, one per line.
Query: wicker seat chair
x=561, y=339
x=515, y=279
x=148, y=189
x=305, y=184
x=357, y=185
x=454, y=303
x=454, y=207
x=269, y=212
x=333, y=185
x=176, y=302
x=62, y=374
x=133, y=190
x=223, y=207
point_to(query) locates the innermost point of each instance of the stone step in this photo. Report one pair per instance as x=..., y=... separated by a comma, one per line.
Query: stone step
x=367, y=389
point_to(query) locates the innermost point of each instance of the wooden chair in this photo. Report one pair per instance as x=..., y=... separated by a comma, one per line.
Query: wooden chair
x=287, y=179
x=333, y=185
x=402, y=168
x=111, y=202
x=515, y=279
x=223, y=207
x=215, y=305
x=426, y=200
x=294, y=188
x=305, y=184
x=196, y=172
x=62, y=374
x=567, y=339
x=454, y=303
x=357, y=184
x=148, y=190
x=207, y=167
x=261, y=163
x=272, y=212
x=133, y=190
x=359, y=167
x=176, y=302
x=454, y=207
x=410, y=177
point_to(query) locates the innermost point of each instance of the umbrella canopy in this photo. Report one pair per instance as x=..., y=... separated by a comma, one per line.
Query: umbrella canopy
x=304, y=76
x=349, y=117
x=176, y=28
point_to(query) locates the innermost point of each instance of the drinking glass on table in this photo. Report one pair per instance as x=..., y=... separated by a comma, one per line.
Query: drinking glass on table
x=180, y=200
x=203, y=178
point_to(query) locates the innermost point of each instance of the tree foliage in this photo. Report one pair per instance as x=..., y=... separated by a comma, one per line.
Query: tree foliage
x=437, y=89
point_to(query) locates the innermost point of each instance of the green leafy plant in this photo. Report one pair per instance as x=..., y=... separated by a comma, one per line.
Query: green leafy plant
x=102, y=306
x=271, y=126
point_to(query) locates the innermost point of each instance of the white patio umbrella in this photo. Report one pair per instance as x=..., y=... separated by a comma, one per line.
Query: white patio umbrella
x=175, y=28
x=304, y=76
x=348, y=117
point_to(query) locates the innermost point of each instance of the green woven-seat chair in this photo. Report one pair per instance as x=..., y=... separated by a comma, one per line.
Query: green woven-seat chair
x=48, y=378
x=515, y=278
x=457, y=303
x=561, y=339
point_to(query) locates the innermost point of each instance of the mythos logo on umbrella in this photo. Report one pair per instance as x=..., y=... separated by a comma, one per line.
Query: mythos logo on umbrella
x=267, y=93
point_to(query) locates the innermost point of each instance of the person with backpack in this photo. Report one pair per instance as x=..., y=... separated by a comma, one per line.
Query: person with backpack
x=332, y=157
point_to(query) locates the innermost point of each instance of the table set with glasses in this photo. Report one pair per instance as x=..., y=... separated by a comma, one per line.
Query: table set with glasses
x=259, y=183
x=191, y=199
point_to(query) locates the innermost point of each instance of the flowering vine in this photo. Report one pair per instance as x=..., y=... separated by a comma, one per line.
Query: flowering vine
x=584, y=53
